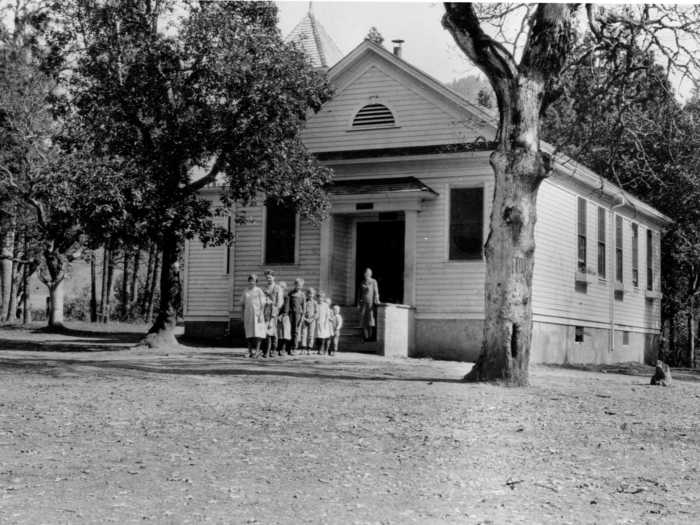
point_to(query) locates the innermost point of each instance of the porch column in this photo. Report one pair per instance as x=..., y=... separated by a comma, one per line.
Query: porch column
x=326, y=250
x=409, y=261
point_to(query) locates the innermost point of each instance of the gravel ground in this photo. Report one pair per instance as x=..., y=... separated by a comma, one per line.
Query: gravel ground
x=92, y=430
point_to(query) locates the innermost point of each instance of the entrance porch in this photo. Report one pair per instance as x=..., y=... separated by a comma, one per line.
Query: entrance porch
x=373, y=225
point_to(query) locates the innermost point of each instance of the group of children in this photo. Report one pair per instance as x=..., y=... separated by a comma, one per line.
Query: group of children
x=298, y=320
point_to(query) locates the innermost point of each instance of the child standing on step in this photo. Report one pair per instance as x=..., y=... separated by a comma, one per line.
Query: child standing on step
x=337, y=324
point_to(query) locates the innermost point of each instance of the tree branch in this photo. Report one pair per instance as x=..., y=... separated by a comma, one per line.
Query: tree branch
x=208, y=178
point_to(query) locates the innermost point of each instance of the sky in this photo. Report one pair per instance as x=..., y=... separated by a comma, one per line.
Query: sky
x=427, y=45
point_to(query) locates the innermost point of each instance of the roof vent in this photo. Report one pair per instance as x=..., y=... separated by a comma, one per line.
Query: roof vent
x=397, y=46
x=373, y=115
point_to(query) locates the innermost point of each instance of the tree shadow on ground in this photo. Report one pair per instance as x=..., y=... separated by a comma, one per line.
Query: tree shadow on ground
x=188, y=367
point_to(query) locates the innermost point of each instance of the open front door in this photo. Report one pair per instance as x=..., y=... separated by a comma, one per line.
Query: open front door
x=380, y=246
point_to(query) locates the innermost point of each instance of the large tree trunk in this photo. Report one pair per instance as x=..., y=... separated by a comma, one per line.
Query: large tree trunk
x=106, y=258
x=162, y=333
x=93, y=289
x=7, y=244
x=148, y=286
x=108, y=293
x=15, y=285
x=133, y=292
x=56, y=305
x=55, y=266
x=125, y=284
x=510, y=258
x=26, y=288
x=519, y=167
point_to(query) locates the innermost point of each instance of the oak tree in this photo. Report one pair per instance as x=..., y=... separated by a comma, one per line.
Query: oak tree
x=523, y=74
x=195, y=93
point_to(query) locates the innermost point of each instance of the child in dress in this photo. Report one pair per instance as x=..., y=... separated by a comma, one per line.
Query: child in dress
x=297, y=301
x=337, y=322
x=323, y=324
x=308, y=331
x=284, y=328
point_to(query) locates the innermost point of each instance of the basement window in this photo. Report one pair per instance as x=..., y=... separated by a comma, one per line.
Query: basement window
x=625, y=338
x=578, y=334
x=373, y=116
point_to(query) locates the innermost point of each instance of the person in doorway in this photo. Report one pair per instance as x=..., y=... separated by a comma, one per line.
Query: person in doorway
x=253, y=304
x=337, y=323
x=369, y=299
x=274, y=301
x=297, y=301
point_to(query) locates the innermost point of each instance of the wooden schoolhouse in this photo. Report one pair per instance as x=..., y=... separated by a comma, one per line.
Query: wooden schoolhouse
x=411, y=200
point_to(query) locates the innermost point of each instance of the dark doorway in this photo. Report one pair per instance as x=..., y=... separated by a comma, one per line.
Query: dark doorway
x=380, y=247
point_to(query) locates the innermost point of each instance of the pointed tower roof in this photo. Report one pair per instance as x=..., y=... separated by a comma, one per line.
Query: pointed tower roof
x=310, y=35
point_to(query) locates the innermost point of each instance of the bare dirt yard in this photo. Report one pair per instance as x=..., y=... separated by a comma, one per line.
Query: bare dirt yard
x=92, y=430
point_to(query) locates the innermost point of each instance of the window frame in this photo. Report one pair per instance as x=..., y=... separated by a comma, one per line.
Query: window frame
x=581, y=235
x=650, y=259
x=635, y=255
x=602, y=243
x=448, y=221
x=297, y=231
x=619, y=251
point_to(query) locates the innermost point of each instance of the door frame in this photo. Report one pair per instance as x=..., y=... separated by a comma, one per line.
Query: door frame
x=351, y=290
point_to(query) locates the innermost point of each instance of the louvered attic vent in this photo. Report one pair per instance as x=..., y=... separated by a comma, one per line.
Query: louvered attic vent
x=373, y=115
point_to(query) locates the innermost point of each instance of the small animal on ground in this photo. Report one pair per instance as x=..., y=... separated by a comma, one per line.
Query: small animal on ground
x=662, y=375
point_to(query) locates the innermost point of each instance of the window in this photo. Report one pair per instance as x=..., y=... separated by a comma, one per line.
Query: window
x=618, y=248
x=280, y=234
x=581, y=265
x=578, y=334
x=601, y=242
x=625, y=338
x=466, y=223
x=635, y=255
x=373, y=115
x=650, y=261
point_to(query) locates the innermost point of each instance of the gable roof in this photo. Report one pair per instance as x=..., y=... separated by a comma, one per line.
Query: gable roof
x=368, y=47
x=313, y=39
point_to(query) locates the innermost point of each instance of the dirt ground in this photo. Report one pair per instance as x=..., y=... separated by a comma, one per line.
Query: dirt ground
x=94, y=431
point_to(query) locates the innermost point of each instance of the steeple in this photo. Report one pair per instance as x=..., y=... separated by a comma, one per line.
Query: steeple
x=310, y=35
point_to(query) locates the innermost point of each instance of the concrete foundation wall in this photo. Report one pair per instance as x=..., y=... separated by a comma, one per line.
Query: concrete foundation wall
x=206, y=329
x=453, y=339
x=553, y=343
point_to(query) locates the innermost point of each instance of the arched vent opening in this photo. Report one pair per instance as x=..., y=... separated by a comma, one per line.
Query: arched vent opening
x=373, y=115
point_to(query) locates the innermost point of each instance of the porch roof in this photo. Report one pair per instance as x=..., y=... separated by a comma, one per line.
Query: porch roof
x=395, y=185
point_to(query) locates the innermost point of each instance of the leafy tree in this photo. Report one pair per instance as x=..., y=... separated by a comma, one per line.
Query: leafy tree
x=523, y=77
x=212, y=92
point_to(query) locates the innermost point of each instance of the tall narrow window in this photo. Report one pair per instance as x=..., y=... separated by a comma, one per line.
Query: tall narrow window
x=581, y=266
x=280, y=234
x=635, y=255
x=618, y=248
x=466, y=223
x=601, y=242
x=650, y=261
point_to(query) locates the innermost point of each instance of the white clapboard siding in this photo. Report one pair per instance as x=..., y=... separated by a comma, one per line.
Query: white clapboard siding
x=249, y=256
x=208, y=286
x=341, y=262
x=419, y=121
x=555, y=295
